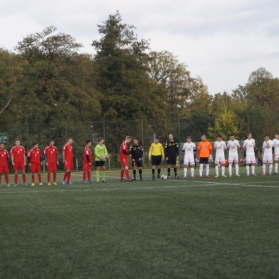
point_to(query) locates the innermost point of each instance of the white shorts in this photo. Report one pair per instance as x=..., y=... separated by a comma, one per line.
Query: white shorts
x=233, y=158
x=219, y=159
x=267, y=159
x=276, y=157
x=189, y=160
x=250, y=159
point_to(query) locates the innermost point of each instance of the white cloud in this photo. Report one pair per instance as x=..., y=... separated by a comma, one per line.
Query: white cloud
x=223, y=41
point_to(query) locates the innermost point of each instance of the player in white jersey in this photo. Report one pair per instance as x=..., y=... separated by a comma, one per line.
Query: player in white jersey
x=188, y=149
x=219, y=147
x=249, y=145
x=267, y=155
x=233, y=146
x=276, y=152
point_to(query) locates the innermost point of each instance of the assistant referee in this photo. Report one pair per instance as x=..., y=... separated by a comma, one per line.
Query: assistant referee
x=156, y=155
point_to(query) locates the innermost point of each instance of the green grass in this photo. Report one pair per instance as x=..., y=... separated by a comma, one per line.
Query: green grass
x=198, y=228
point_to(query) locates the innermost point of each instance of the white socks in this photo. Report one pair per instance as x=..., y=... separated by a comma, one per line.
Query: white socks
x=217, y=170
x=185, y=172
x=253, y=169
x=237, y=168
x=223, y=170
x=264, y=168
x=207, y=169
x=201, y=169
x=276, y=167
x=247, y=170
x=230, y=169
x=192, y=172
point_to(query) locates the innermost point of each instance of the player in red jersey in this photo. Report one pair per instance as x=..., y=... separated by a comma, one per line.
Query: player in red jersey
x=87, y=162
x=35, y=162
x=4, y=167
x=19, y=162
x=68, y=161
x=124, y=153
x=51, y=161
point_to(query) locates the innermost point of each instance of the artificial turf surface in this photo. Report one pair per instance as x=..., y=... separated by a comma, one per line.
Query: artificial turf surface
x=194, y=228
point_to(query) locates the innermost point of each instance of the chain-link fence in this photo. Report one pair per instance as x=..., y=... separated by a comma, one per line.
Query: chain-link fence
x=113, y=131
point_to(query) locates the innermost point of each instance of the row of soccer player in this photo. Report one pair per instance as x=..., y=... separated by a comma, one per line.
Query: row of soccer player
x=34, y=158
x=204, y=155
x=157, y=153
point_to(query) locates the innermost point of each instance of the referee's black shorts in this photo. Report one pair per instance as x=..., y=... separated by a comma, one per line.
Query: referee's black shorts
x=156, y=160
x=203, y=160
x=136, y=162
x=171, y=159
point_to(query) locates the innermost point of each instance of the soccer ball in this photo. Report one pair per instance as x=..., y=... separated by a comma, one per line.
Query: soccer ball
x=164, y=177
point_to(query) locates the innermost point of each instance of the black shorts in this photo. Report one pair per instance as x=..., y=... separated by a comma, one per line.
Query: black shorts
x=203, y=160
x=171, y=159
x=136, y=162
x=100, y=163
x=156, y=160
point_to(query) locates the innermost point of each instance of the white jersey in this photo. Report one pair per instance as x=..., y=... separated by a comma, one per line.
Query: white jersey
x=189, y=148
x=267, y=146
x=233, y=146
x=220, y=147
x=249, y=145
x=276, y=146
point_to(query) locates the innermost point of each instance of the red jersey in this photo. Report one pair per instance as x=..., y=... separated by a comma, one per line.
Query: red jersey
x=18, y=153
x=124, y=150
x=34, y=156
x=4, y=155
x=51, y=154
x=87, y=154
x=69, y=150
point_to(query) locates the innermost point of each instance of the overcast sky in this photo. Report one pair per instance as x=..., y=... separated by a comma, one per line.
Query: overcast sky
x=222, y=41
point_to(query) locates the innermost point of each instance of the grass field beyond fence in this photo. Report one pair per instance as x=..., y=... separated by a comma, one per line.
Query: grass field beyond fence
x=194, y=228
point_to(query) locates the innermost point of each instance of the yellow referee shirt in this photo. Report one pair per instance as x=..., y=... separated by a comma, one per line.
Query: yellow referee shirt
x=156, y=149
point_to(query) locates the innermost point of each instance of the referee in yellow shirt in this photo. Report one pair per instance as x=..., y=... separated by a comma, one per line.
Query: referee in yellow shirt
x=156, y=155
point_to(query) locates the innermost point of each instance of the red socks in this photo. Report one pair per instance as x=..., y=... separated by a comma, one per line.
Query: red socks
x=121, y=174
x=40, y=178
x=7, y=179
x=54, y=177
x=127, y=174
x=24, y=178
x=84, y=176
x=89, y=175
x=16, y=178
x=48, y=177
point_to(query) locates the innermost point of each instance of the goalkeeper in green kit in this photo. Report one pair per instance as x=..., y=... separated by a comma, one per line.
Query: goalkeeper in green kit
x=101, y=154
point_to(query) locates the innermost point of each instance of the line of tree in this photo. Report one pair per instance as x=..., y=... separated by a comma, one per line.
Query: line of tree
x=47, y=83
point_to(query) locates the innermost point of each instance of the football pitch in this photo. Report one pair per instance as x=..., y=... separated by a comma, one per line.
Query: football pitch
x=194, y=228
